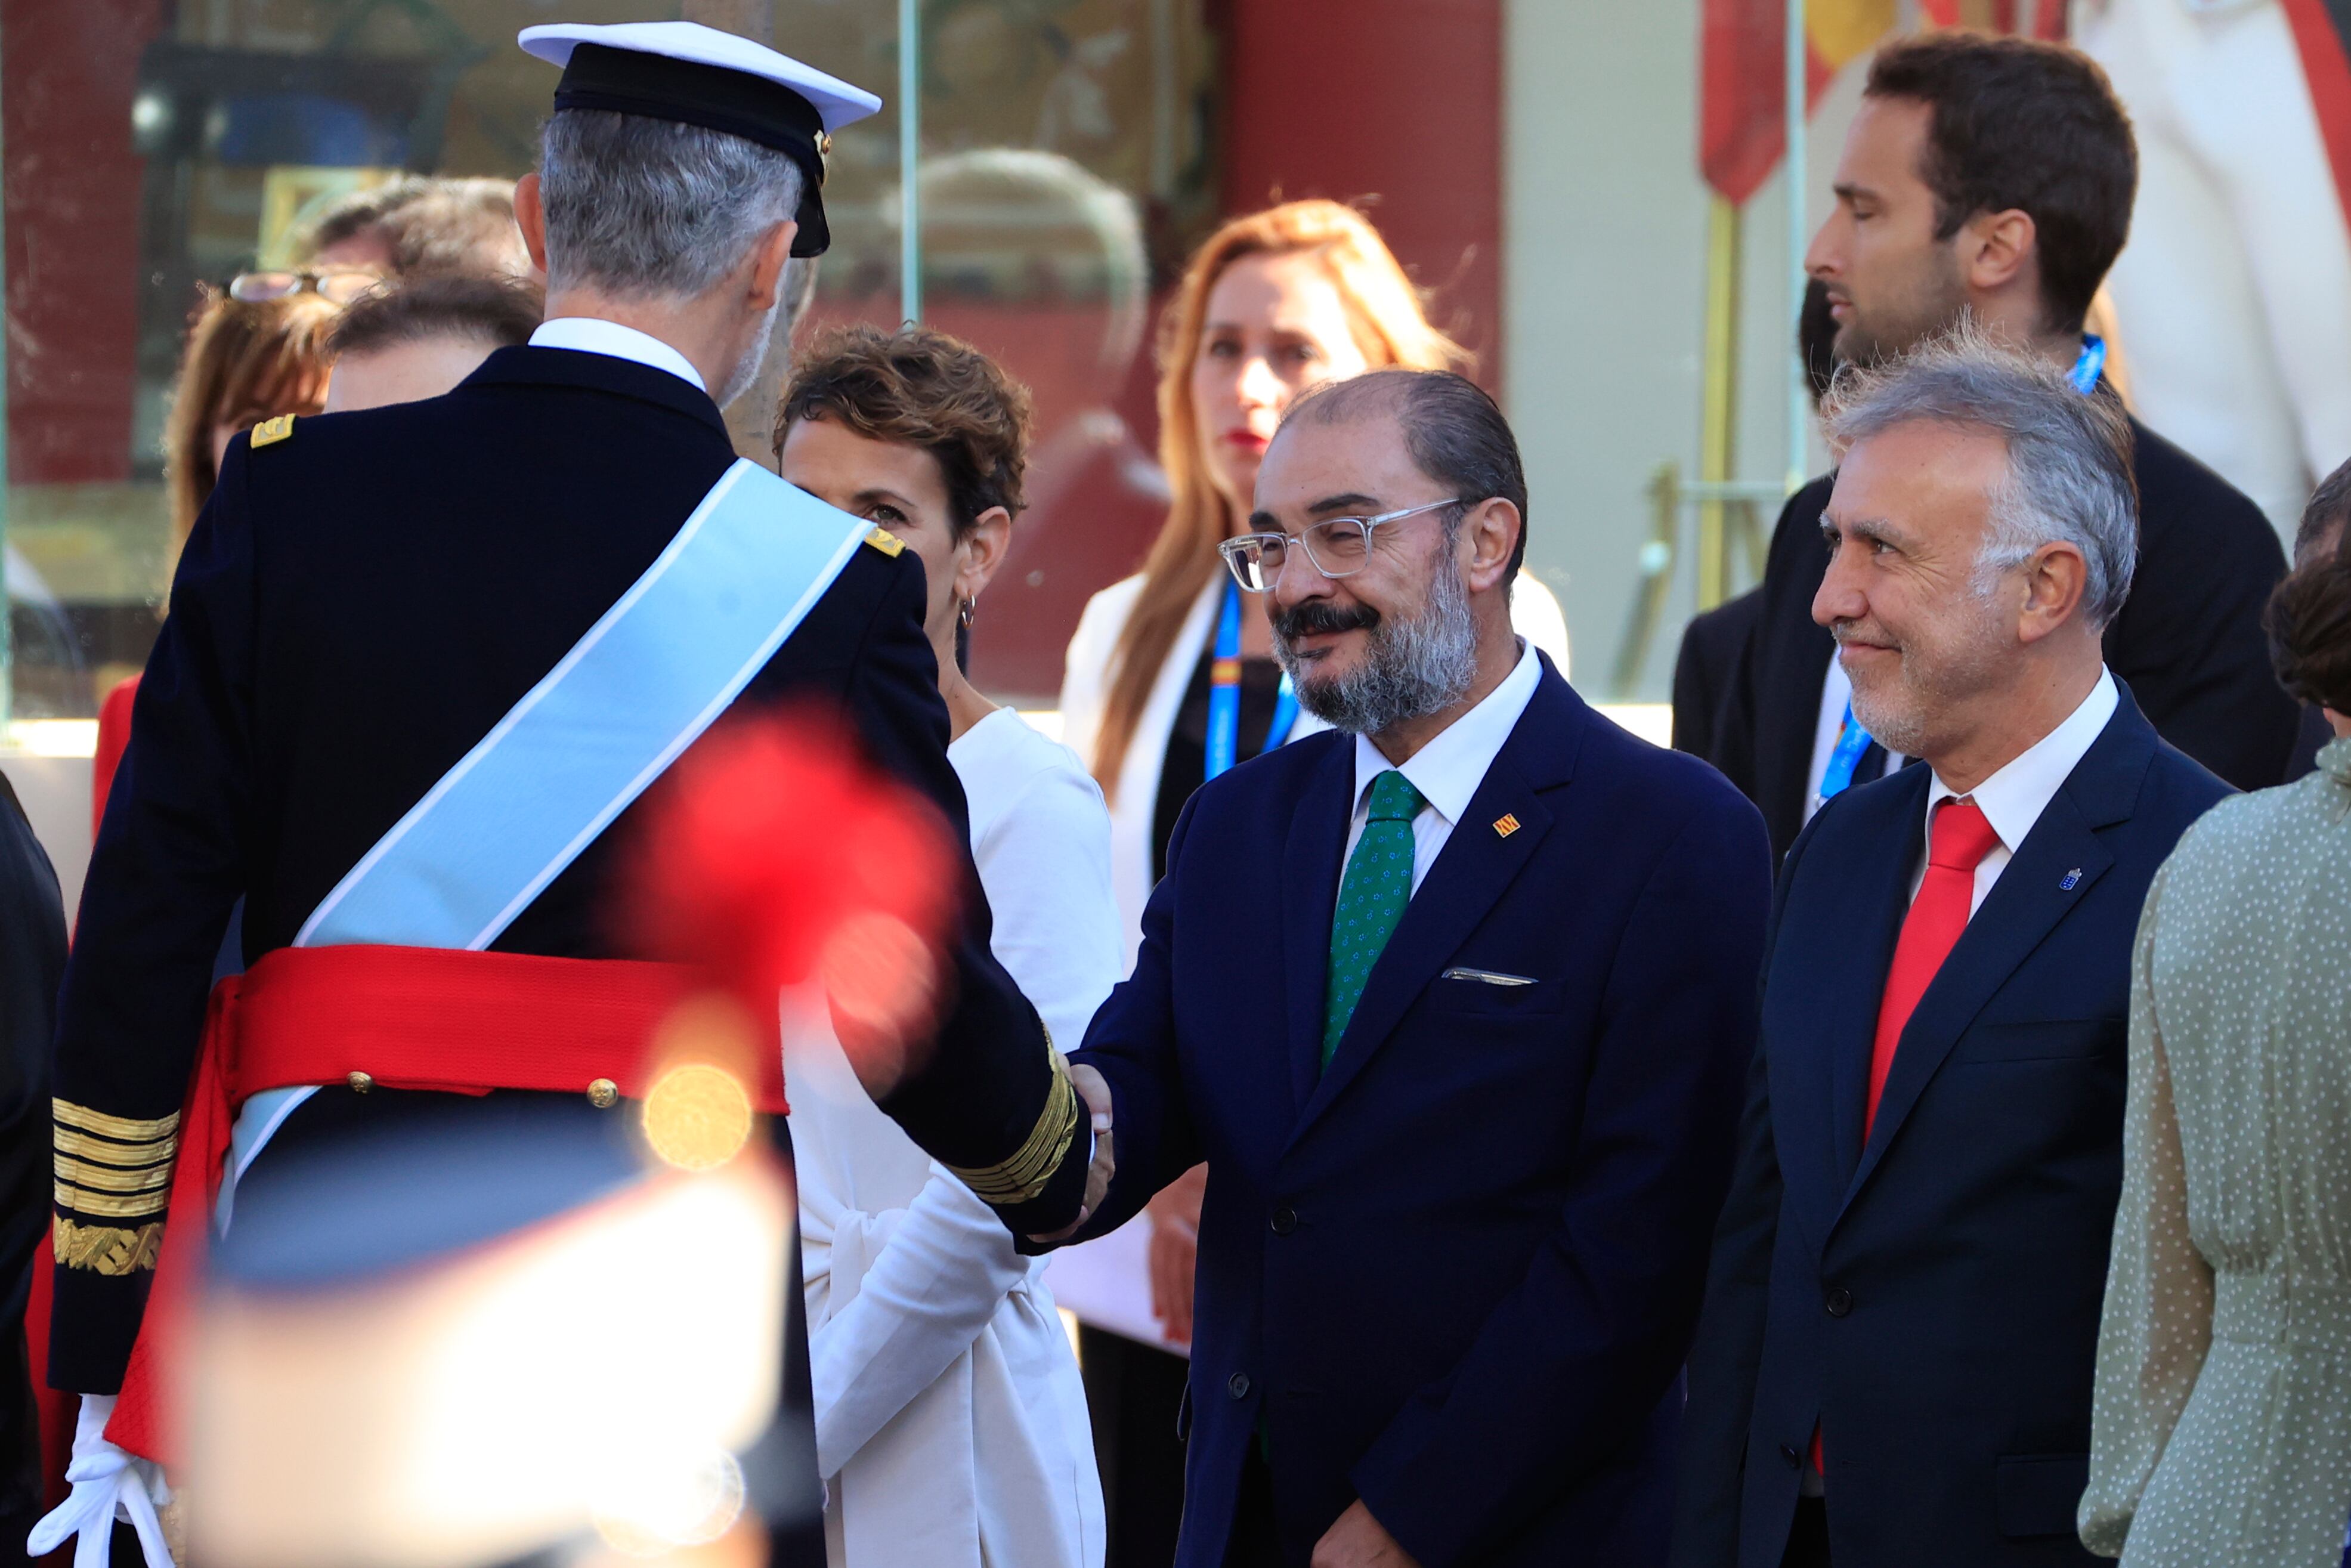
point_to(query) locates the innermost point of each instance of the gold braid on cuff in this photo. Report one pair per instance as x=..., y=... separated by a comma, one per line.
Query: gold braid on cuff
x=1024, y=1175
x=106, y=1249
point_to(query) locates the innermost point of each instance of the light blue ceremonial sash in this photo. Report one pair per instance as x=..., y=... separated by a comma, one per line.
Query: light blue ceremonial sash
x=646, y=681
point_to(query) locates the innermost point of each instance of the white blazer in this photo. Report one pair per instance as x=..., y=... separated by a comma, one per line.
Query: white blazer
x=950, y=1420
x=1085, y=689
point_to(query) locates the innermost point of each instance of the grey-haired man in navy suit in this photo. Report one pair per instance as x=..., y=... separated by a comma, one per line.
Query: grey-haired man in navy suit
x=1896, y=1356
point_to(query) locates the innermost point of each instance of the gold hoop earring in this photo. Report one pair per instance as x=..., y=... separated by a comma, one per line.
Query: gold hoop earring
x=968, y=613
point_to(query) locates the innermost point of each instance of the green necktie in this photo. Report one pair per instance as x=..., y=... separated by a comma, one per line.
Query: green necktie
x=1372, y=897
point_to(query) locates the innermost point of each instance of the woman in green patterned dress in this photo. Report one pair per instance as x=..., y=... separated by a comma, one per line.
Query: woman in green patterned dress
x=2222, y=1425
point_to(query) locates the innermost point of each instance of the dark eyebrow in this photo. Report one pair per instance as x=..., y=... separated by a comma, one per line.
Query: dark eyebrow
x=1849, y=192
x=867, y=497
x=1264, y=523
x=1352, y=501
x=1876, y=530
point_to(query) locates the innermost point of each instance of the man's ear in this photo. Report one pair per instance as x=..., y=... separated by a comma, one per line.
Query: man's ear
x=1491, y=532
x=2055, y=576
x=768, y=257
x=1996, y=248
x=531, y=218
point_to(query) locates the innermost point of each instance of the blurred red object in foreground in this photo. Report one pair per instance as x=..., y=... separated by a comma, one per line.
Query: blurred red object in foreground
x=775, y=856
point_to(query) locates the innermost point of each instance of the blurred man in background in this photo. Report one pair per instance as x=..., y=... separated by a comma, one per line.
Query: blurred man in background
x=1992, y=178
x=421, y=225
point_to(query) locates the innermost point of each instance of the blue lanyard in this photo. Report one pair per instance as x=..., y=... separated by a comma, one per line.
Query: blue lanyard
x=2088, y=364
x=1852, y=739
x=1225, y=694
x=1851, y=742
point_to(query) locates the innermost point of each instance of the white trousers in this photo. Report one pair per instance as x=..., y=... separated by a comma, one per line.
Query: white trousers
x=2234, y=297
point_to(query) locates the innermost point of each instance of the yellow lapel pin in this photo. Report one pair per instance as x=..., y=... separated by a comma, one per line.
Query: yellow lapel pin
x=1505, y=825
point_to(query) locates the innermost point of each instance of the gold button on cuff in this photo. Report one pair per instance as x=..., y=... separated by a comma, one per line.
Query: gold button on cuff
x=603, y=1093
x=361, y=1083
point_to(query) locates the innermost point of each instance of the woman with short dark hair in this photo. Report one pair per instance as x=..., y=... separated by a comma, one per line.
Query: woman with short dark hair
x=2222, y=1427
x=950, y=1419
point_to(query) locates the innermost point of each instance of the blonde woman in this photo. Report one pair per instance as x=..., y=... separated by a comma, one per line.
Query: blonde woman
x=1171, y=679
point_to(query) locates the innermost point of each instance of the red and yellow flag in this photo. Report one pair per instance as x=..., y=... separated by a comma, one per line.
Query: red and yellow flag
x=2321, y=30
x=1741, y=104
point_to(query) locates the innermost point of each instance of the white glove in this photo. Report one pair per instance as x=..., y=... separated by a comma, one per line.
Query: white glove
x=108, y=1483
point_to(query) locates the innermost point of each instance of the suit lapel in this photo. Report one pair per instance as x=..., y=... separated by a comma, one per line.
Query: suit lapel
x=1851, y=1021
x=2055, y=867
x=1310, y=893
x=1470, y=875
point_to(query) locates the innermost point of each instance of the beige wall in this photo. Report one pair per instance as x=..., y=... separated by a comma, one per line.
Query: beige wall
x=1603, y=290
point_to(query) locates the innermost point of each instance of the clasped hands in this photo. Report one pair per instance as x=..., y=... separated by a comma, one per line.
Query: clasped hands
x=1094, y=1090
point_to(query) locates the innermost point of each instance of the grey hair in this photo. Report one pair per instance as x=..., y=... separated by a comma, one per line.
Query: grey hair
x=648, y=207
x=2069, y=475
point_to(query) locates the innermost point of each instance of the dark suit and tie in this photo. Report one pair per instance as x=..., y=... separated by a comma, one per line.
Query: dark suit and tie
x=1455, y=1230
x=1902, y=1314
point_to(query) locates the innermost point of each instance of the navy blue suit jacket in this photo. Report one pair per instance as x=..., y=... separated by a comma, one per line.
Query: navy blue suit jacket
x=1454, y=1274
x=1930, y=1296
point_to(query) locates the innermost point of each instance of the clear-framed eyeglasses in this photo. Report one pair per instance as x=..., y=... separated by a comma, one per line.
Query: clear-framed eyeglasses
x=1335, y=547
x=337, y=284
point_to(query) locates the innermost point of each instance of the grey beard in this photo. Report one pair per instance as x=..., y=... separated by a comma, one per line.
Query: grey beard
x=747, y=370
x=1411, y=668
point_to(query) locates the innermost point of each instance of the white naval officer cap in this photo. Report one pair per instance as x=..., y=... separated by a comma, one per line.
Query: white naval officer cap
x=695, y=75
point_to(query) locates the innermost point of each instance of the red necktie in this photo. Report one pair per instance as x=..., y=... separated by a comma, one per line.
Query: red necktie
x=1957, y=842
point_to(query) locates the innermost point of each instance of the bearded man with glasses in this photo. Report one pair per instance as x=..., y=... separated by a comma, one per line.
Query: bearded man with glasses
x=1468, y=978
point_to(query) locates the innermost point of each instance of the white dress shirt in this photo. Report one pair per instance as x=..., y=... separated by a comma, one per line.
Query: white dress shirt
x=593, y=335
x=2013, y=798
x=1448, y=770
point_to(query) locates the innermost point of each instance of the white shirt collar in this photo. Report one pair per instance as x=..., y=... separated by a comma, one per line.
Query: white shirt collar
x=1448, y=770
x=592, y=335
x=2013, y=798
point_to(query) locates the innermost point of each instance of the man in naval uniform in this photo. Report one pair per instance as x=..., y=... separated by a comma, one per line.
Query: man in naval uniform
x=376, y=629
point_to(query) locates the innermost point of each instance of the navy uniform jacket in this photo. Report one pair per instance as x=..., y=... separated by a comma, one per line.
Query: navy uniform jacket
x=2188, y=640
x=1930, y=1299
x=1454, y=1274
x=359, y=605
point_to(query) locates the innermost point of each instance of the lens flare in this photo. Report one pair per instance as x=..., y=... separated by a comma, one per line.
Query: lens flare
x=697, y=1116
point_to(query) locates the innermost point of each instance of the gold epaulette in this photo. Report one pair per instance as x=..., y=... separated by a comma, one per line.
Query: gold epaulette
x=1023, y=1175
x=273, y=430
x=111, y=1167
x=885, y=541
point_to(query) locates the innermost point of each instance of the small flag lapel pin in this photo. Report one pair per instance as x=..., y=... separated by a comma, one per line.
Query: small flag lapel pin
x=2073, y=879
x=1505, y=825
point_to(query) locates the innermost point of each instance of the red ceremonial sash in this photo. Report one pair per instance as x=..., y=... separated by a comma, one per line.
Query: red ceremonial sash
x=448, y=1020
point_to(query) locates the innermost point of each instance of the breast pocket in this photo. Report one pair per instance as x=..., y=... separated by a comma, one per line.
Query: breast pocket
x=1496, y=993
x=2042, y=1039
